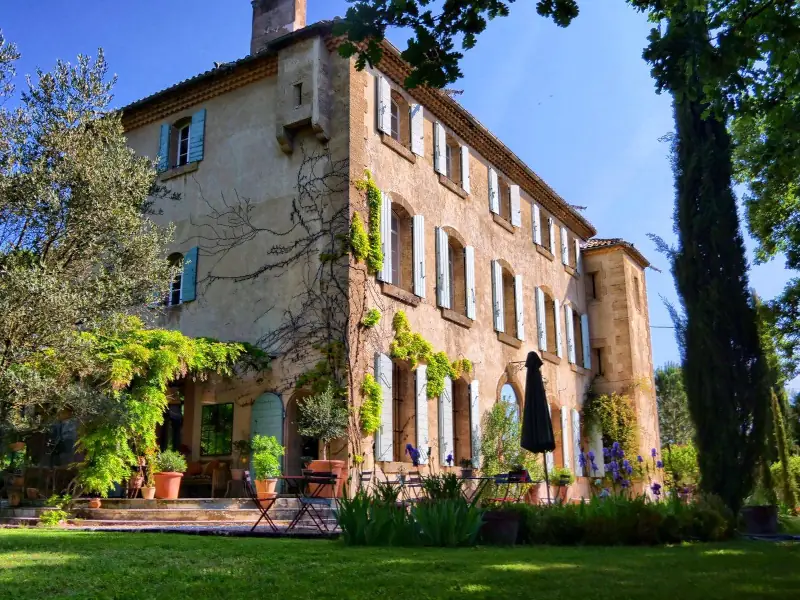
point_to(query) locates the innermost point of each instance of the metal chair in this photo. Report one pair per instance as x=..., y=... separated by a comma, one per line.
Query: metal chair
x=311, y=502
x=263, y=508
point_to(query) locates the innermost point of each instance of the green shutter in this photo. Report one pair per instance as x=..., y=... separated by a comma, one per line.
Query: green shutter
x=197, y=136
x=163, y=148
x=189, y=279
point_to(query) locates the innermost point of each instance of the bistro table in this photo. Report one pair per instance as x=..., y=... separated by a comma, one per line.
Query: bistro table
x=307, y=489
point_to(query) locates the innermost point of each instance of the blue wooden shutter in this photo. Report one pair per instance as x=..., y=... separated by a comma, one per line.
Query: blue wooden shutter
x=266, y=417
x=189, y=279
x=197, y=136
x=163, y=148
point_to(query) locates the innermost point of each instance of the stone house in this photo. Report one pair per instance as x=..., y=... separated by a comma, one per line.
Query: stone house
x=485, y=259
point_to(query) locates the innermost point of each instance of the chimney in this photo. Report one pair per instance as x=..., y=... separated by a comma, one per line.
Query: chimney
x=274, y=18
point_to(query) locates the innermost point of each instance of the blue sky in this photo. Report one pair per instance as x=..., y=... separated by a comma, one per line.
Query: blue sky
x=577, y=104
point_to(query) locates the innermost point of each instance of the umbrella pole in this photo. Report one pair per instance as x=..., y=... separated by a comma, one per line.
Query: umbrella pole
x=546, y=478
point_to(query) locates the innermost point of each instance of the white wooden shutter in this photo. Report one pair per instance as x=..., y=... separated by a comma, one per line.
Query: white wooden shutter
x=494, y=192
x=385, y=273
x=497, y=296
x=418, y=232
x=442, y=268
x=469, y=276
x=552, y=226
x=537, y=224
x=541, y=320
x=578, y=261
x=423, y=442
x=559, y=341
x=465, y=169
x=446, y=422
x=516, y=211
x=439, y=150
x=587, y=347
x=549, y=457
x=570, y=334
x=417, y=129
x=384, y=105
x=596, y=444
x=384, y=437
x=475, y=423
x=564, y=246
x=566, y=447
x=576, y=441
x=519, y=305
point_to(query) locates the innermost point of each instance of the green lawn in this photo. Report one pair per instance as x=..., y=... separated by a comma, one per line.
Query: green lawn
x=54, y=564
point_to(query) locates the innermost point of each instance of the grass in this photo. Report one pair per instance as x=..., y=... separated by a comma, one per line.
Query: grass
x=54, y=564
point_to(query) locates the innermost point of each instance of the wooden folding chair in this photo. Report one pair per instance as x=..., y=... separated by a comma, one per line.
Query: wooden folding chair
x=263, y=508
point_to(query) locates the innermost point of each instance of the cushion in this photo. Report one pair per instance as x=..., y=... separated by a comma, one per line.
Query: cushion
x=210, y=467
x=194, y=468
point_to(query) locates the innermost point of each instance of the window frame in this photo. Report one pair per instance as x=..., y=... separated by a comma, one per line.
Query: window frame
x=217, y=407
x=179, y=132
x=395, y=249
x=394, y=120
x=176, y=285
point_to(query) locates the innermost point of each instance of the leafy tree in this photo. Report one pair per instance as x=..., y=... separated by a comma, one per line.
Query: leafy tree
x=500, y=448
x=704, y=53
x=674, y=419
x=76, y=243
x=322, y=416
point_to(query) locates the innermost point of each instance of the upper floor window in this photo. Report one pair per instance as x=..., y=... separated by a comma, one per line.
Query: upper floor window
x=182, y=142
x=591, y=285
x=182, y=148
x=401, y=248
x=173, y=297
x=395, y=120
x=637, y=293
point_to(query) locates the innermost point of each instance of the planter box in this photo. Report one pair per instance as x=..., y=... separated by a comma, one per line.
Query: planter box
x=760, y=520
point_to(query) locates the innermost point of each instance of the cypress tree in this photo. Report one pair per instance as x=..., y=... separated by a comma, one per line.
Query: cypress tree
x=723, y=363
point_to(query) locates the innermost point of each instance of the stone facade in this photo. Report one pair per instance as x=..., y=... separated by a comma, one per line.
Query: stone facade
x=446, y=182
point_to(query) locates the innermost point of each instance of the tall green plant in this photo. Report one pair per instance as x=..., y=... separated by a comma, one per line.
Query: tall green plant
x=266, y=457
x=501, y=452
x=322, y=416
x=788, y=487
x=674, y=420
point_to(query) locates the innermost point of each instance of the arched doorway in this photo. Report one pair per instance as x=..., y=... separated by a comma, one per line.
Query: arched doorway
x=297, y=446
x=509, y=395
x=266, y=417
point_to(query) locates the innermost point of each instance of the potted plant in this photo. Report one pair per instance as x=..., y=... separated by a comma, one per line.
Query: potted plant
x=241, y=453
x=562, y=478
x=466, y=468
x=17, y=446
x=170, y=467
x=324, y=417
x=149, y=488
x=266, y=455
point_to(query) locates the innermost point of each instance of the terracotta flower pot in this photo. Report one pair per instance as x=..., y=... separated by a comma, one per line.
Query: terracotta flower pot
x=148, y=492
x=94, y=503
x=266, y=501
x=14, y=498
x=168, y=485
x=337, y=467
x=237, y=474
x=266, y=486
x=17, y=481
x=16, y=446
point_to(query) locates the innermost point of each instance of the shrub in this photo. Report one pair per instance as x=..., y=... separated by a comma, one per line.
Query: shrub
x=372, y=318
x=445, y=486
x=58, y=514
x=448, y=523
x=680, y=465
x=776, y=470
x=170, y=461
x=266, y=457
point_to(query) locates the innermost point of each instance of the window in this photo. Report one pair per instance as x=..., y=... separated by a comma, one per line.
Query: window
x=550, y=322
x=505, y=200
x=637, y=293
x=462, y=429
x=395, y=120
x=509, y=397
x=404, y=411
x=458, y=279
x=448, y=161
x=182, y=157
x=402, y=248
x=545, y=227
x=298, y=94
x=216, y=429
x=173, y=297
x=578, y=330
x=597, y=361
x=591, y=285
x=509, y=304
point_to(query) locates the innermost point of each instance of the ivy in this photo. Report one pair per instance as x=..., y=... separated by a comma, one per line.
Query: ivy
x=439, y=367
x=327, y=372
x=374, y=199
x=462, y=366
x=372, y=406
x=616, y=417
x=359, y=242
x=372, y=318
x=407, y=345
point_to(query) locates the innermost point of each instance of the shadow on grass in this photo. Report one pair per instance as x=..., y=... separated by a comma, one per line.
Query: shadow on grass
x=64, y=564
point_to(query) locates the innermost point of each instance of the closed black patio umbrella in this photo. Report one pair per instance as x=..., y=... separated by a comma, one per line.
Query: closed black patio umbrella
x=537, y=429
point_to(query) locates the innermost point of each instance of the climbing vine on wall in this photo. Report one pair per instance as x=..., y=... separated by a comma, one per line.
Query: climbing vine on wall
x=462, y=366
x=372, y=318
x=372, y=405
x=439, y=367
x=359, y=242
x=326, y=372
x=374, y=199
x=616, y=417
